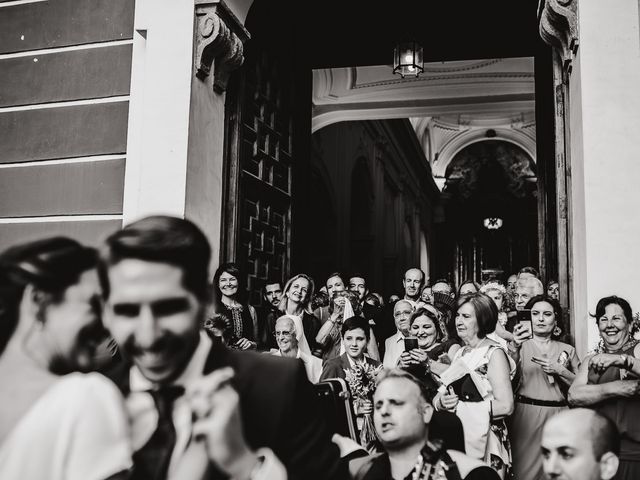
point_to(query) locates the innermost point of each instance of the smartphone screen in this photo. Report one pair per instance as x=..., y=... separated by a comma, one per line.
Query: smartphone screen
x=524, y=319
x=410, y=343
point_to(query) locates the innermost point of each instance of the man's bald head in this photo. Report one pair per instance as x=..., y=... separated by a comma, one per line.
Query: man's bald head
x=286, y=334
x=526, y=289
x=580, y=444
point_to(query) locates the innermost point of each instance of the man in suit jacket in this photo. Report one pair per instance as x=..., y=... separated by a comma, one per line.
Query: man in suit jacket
x=154, y=275
x=355, y=335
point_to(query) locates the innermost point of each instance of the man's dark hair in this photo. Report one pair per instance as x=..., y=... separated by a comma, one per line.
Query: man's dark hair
x=162, y=239
x=353, y=323
x=271, y=281
x=604, y=436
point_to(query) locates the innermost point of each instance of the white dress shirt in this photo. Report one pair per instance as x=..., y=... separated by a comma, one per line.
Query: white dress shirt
x=393, y=348
x=143, y=415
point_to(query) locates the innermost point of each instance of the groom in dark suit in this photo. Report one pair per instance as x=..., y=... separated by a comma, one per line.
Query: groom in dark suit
x=262, y=410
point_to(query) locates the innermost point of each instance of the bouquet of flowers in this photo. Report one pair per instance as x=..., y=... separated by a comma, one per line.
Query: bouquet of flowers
x=362, y=384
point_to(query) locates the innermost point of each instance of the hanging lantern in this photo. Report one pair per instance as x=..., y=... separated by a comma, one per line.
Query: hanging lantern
x=408, y=60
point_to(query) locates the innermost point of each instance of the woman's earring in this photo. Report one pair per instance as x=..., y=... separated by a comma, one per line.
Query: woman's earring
x=557, y=331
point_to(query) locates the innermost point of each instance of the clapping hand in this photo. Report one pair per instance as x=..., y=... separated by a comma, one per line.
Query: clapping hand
x=216, y=408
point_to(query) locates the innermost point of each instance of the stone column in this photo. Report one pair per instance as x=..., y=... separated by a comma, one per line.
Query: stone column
x=183, y=55
x=602, y=133
x=218, y=42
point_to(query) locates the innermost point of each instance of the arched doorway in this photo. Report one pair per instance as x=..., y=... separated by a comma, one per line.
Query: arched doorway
x=490, y=211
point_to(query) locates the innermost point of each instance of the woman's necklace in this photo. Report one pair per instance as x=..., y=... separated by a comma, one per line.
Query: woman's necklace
x=629, y=343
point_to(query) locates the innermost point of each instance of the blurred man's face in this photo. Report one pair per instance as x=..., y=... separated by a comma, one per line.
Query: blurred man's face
x=152, y=317
x=511, y=283
x=412, y=283
x=567, y=452
x=273, y=293
x=400, y=413
x=359, y=286
x=553, y=290
x=334, y=284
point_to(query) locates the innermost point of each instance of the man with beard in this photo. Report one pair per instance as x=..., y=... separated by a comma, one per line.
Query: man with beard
x=288, y=347
x=154, y=275
x=402, y=414
x=358, y=284
x=394, y=345
x=271, y=295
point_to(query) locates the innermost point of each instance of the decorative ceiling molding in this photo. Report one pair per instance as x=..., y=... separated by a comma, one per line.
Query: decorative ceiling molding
x=558, y=27
x=525, y=140
x=219, y=42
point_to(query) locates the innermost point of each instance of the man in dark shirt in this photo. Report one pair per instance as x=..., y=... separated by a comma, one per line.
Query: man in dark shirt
x=401, y=415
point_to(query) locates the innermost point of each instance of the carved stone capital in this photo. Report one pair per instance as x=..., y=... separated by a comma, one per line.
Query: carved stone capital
x=558, y=26
x=219, y=42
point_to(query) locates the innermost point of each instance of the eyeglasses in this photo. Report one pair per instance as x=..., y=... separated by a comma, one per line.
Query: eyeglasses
x=284, y=333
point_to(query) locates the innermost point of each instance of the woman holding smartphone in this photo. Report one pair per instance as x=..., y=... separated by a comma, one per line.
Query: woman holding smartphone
x=431, y=345
x=546, y=368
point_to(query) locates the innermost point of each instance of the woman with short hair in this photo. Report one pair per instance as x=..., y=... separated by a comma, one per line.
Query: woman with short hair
x=477, y=385
x=608, y=380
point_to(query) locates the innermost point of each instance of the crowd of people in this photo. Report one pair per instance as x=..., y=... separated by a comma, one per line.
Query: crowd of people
x=129, y=362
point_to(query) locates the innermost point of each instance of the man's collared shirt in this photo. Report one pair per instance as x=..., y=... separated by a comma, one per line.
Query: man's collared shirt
x=143, y=415
x=142, y=409
x=394, y=346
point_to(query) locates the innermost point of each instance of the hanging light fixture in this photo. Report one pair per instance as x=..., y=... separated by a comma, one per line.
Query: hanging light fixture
x=408, y=59
x=492, y=223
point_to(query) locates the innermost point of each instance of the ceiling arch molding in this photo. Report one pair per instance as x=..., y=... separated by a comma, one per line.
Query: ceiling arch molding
x=449, y=151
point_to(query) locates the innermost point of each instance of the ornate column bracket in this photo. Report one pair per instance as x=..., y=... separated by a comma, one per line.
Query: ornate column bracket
x=558, y=27
x=219, y=42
